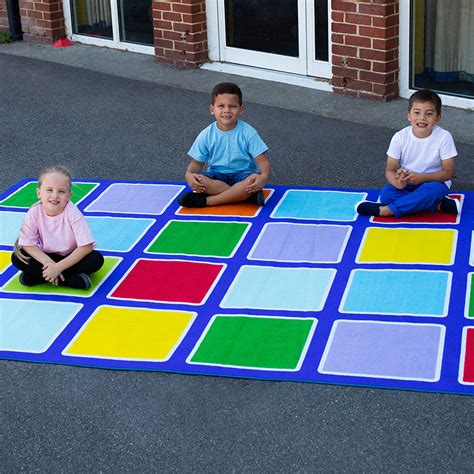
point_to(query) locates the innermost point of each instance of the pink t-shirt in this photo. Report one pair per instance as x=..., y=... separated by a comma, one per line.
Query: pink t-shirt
x=55, y=234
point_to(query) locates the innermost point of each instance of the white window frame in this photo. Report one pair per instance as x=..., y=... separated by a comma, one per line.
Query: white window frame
x=317, y=68
x=303, y=65
x=114, y=43
x=404, y=53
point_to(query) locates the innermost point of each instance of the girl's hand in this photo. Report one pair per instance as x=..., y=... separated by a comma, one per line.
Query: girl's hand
x=51, y=273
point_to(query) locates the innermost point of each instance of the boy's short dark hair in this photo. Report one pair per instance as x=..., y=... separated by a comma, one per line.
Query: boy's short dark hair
x=425, y=95
x=226, y=88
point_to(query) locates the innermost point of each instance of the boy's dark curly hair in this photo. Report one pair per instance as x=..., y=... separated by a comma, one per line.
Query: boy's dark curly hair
x=425, y=95
x=226, y=88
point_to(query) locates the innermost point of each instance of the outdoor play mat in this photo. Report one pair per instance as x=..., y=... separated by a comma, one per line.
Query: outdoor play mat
x=301, y=289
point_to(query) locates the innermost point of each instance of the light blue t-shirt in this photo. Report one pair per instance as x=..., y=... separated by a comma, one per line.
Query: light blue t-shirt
x=228, y=152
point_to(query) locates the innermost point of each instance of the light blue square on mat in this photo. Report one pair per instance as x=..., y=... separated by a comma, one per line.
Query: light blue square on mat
x=292, y=289
x=290, y=242
x=135, y=198
x=118, y=234
x=318, y=205
x=403, y=351
x=399, y=292
x=10, y=223
x=32, y=326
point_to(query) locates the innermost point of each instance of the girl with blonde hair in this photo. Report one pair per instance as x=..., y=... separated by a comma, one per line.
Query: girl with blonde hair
x=55, y=244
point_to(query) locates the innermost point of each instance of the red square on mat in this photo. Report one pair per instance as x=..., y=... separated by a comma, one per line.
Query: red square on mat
x=169, y=281
x=437, y=217
x=468, y=351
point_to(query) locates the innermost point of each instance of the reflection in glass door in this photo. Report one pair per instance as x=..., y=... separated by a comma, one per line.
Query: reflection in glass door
x=282, y=35
x=268, y=26
x=122, y=21
x=136, y=22
x=92, y=18
x=442, y=53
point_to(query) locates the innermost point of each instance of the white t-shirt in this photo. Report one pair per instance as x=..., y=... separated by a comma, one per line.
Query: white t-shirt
x=422, y=155
x=55, y=234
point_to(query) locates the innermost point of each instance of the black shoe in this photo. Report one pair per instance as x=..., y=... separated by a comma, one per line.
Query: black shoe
x=28, y=280
x=81, y=281
x=449, y=205
x=257, y=198
x=192, y=200
x=368, y=208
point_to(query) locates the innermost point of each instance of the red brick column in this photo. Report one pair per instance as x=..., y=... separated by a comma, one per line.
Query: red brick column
x=365, y=48
x=3, y=14
x=42, y=21
x=180, y=32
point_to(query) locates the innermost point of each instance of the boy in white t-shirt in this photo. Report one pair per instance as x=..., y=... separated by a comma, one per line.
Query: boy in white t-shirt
x=420, y=164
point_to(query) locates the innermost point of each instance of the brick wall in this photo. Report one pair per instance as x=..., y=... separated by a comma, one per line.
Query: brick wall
x=365, y=48
x=42, y=21
x=3, y=14
x=180, y=32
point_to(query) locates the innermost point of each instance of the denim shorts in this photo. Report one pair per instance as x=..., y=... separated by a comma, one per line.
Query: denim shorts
x=228, y=178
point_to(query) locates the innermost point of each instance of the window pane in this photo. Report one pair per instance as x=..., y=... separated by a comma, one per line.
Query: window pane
x=321, y=30
x=269, y=26
x=442, y=54
x=92, y=18
x=136, y=23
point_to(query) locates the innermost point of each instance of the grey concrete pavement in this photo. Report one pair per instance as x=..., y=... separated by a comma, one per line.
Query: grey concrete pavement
x=143, y=68
x=69, y=419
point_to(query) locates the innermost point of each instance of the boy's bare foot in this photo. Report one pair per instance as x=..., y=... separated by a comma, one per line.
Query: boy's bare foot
x=193, y=199
x=449, y=205
x=385, y=211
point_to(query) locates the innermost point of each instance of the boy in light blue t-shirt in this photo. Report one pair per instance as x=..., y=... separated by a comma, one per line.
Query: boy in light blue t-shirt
x=236, y=156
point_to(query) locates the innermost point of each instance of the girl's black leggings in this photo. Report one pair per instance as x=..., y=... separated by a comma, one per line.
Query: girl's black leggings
x=91, y=263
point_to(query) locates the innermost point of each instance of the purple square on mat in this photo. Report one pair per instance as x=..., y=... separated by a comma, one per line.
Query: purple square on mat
x=405, y=351
x=135, y=198
x=289, y=242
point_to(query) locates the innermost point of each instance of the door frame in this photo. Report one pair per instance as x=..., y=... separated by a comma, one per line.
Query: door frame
x=303, y=65
x=405, y=67
x=114, y=43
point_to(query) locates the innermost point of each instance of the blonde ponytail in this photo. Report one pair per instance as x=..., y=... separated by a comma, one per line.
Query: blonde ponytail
x=19, y=254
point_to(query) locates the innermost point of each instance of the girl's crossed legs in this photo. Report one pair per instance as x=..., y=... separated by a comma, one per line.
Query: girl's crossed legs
x=33, y=270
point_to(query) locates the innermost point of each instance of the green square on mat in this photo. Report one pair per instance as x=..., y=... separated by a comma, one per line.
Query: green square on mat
x=254, y=342
x=26, y=196
x=15, y=286
x=470, y=310
x=217, y=239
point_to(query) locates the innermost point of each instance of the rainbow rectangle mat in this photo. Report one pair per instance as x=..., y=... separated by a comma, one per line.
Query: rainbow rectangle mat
x=302, y=289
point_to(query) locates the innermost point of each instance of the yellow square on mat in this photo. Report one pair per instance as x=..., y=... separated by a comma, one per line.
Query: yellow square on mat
x=401, y=245
x=5, y=259
x=130, y=333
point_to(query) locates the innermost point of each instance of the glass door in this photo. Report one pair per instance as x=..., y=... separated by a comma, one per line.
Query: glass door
x=437, y=50
x=123, y=24
x=442, y=53
x=282, y=35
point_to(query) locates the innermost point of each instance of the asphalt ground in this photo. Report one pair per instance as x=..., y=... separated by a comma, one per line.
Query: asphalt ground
x=70, y=419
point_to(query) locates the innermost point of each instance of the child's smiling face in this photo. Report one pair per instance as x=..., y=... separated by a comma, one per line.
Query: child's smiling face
x=423, y=117
x=226, y=109
x=54, y=193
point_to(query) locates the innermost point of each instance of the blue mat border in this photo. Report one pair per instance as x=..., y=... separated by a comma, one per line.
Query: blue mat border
x=455, y=322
